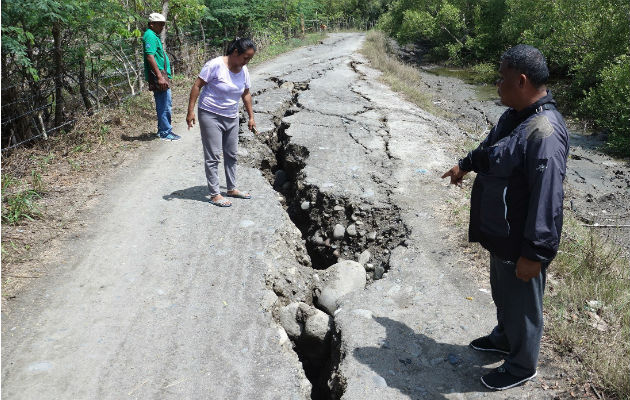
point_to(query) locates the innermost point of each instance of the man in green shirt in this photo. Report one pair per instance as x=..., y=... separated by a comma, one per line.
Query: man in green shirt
x=155, y=63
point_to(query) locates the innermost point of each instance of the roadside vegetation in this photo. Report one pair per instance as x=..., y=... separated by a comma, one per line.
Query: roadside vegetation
x=45, y=183
x=585, y=42
x=400, y=77
x=588, y=315
x=588, y=292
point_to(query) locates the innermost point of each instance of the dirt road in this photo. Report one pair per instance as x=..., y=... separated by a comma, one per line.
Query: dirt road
x=166, y=296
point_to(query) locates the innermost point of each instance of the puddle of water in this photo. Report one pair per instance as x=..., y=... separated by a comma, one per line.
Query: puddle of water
x=484, y=92
x=463, y=74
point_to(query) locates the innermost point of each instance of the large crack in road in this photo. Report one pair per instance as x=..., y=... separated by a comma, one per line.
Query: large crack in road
x=356, y=170
x=335, y=227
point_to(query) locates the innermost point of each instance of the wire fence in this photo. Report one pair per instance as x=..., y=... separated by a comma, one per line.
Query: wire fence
x=34, y=109
x=110, y=74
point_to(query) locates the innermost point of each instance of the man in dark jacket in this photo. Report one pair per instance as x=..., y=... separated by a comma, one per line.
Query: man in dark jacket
x=516, y=210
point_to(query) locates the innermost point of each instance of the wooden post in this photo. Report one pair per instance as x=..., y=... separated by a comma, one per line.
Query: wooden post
x=57, y=56
x=41, y=125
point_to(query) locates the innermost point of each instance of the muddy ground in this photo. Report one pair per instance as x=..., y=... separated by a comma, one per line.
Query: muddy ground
x=597, y=185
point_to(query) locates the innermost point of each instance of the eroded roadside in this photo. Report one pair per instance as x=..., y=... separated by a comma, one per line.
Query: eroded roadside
x=597, y=185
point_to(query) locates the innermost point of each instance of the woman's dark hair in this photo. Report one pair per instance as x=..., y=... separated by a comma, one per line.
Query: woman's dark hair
x=241, y=45
x=528, y=60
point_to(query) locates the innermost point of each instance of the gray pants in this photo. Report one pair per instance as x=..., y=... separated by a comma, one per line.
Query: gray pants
x=519, y=315
x=219, y=133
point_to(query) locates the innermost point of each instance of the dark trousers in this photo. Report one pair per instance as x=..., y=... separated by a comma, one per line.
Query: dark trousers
x=519, y=315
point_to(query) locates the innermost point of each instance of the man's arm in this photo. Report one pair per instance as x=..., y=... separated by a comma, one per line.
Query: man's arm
x=162, y=83
x=545, y=166
x=472, y=162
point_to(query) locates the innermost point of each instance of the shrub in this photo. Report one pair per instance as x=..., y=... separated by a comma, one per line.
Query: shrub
x=607, y=104
x=484, y=73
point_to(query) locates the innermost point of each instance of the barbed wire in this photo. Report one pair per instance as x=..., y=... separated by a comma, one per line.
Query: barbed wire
x=27, y=113
x=45, y=133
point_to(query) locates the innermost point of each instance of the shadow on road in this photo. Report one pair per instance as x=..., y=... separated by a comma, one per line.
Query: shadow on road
x=421, y=367
x=199, y=193
x=145, y=137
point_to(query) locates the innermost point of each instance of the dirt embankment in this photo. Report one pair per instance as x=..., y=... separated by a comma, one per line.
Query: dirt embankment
x=597, y=185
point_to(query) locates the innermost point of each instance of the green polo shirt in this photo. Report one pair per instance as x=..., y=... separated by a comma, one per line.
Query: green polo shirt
x=153, y=45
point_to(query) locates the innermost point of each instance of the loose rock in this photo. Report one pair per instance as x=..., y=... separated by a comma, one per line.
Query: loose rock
x=351, y=230
x=289, y=320
x=378, y=272
x=344, y=277
x=338, y=232
x=318, y=240
x=365, y=257
x=318, y=325
x=281, y=178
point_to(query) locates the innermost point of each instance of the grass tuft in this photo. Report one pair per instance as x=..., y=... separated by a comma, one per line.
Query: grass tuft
x=19, y=206
x=588, y=308
x=400, y=77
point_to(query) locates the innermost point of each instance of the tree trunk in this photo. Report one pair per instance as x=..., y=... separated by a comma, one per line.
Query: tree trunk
x=82, y=87
x=178, y=33
x=203, y=40
x=137, y=56
x=58, y=62
x=165, y=14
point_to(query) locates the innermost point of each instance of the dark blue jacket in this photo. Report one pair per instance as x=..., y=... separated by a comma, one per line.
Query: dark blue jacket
x=516, y=200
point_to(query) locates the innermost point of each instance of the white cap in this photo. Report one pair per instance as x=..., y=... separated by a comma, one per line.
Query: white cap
x=156, y=17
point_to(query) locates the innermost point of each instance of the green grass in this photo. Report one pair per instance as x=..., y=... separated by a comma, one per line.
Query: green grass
x=400, y=77
x=9, y=181
x=588, y=309
x=268, y=52
x=19, y=206
x=18, y=199
x=37, y=182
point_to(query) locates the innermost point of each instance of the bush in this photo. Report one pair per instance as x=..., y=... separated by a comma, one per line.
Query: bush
x=484, y=73
x=581, y=40
x=607, y=104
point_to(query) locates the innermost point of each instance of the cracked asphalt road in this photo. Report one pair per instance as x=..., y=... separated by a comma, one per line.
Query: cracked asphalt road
x=165, y=296
x=406, y=335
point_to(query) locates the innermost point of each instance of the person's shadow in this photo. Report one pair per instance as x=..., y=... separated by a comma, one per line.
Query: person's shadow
x=145, y=137
x=421, y=367
x=199, y=193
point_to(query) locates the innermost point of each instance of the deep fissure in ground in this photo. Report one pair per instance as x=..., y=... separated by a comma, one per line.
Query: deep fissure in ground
x=333, y=228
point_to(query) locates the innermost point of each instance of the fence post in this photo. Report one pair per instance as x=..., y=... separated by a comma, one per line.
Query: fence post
x=41, y=125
